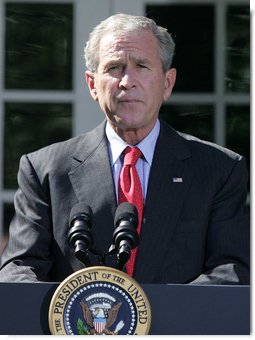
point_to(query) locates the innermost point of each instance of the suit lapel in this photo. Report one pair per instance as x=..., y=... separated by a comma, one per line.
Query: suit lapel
x=93, y=184
x=170, y=178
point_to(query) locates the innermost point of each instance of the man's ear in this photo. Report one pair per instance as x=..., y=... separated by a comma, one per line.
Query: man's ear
x=90, y=79
x=169, y=82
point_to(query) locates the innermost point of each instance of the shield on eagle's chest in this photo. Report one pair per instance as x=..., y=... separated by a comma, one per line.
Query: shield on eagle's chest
x=99, y=324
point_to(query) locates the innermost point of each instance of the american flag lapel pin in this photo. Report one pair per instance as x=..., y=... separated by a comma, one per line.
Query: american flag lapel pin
x=177, y=180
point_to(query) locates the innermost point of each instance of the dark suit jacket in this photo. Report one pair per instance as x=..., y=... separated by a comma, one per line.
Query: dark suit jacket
x=195, y=229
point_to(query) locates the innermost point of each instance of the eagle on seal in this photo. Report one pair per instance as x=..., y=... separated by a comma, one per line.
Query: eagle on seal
x=99, y=319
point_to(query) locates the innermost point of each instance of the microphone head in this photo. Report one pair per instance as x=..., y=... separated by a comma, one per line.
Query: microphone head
x=126, y=212
x=80, y=211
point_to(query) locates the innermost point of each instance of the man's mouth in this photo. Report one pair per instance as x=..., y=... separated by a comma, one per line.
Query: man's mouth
x=129, y=100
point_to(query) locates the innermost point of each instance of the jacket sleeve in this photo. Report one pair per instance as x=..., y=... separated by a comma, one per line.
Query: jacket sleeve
x=227, y=246
x=27, y=255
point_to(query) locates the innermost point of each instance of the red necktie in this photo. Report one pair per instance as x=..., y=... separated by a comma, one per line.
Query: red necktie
x=130, y=190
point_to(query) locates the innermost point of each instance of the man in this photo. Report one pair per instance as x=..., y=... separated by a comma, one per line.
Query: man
x=194, y=226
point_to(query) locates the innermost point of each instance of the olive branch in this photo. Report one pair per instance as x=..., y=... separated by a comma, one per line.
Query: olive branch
x=81, y=327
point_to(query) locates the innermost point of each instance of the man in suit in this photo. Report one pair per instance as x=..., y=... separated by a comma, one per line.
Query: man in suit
x=195, y=225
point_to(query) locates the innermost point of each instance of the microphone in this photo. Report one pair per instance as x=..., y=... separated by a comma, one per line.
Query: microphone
x=125, y=236
x=79, y=235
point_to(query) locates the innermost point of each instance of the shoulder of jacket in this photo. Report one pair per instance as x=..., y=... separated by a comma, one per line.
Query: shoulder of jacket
x=198, y=145
x=62, y=153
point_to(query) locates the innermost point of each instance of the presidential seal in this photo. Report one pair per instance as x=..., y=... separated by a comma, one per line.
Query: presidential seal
x=99, y=300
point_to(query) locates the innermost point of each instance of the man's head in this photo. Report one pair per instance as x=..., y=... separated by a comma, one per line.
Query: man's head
x=129, y=72
x=124, y=23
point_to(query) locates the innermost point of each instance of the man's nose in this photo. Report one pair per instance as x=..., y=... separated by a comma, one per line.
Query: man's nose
x=128, y=79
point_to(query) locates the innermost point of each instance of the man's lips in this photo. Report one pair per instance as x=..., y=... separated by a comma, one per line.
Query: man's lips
x=128, y=100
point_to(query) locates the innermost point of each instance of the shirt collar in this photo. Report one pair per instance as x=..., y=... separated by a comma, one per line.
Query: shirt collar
x=118, y=145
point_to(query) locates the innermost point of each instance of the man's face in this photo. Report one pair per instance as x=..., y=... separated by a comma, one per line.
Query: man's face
x=129, y=83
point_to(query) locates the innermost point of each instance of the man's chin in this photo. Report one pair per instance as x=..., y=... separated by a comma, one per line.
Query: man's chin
x=127, y=122
x=125, y=126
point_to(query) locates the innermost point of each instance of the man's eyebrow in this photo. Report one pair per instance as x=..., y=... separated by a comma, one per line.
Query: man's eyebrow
x=114, y=61
x=140, y=60
x=122, y=61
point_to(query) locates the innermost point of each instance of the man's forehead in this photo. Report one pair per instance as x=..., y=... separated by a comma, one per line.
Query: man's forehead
x=112, y=44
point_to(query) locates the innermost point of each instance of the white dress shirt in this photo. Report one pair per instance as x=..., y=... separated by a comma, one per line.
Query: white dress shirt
x=143, y=165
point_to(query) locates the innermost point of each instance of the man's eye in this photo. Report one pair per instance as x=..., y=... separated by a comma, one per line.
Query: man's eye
x=142, y=66
x=114, y=68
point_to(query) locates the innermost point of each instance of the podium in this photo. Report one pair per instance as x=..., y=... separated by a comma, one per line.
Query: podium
x=176, y=309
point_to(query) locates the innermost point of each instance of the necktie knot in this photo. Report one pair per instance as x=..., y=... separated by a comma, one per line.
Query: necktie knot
x=131, y=155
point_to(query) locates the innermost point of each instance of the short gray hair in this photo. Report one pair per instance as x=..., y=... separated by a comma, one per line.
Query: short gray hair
x=124, y=23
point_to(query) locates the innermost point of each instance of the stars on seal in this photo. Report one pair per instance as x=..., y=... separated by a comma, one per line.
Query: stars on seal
x=100, y=301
